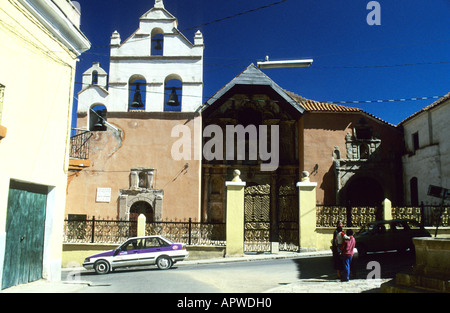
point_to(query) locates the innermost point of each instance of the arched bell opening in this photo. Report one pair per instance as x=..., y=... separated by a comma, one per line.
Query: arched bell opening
x=137, y=93
x=97, y=117
x=173, y=94
x=94, y=78
x=157, y=42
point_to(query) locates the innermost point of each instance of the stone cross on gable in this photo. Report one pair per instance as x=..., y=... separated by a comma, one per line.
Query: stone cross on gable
x=159, y=4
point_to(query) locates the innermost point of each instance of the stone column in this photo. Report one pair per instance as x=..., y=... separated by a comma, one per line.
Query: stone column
x=307, y=213
x=134, y=179
x=150, y=173
x=235, y=216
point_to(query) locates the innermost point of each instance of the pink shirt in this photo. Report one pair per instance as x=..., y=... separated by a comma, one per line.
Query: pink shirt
x=348, y=246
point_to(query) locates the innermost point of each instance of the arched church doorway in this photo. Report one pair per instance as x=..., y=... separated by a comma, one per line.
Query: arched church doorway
x=141, y=207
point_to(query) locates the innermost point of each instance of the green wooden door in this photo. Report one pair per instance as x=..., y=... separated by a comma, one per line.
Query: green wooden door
x=25, y=225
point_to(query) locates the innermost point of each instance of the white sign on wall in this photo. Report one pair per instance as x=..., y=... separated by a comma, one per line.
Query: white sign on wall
x=103, y=194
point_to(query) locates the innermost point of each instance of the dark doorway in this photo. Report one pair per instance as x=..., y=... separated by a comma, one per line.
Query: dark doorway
x=141, y=207
x=364, y=191
x=414, y=189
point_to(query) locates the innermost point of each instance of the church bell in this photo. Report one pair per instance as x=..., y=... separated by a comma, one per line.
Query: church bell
x=158, y=45
x=100, y=119
x=99, y=123
x=137, y=100
x=173, y=98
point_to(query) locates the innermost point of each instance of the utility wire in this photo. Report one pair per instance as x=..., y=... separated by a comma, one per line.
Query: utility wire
x=380, y=66
x=386, y=100
x=236, y=15
x=331, y=102
x=214, y=21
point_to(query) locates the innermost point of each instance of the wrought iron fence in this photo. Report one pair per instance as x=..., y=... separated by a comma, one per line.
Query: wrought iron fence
x=189, y=232
x=98, y=231
x=328, y=216
x=429, y=215
x=116, y=231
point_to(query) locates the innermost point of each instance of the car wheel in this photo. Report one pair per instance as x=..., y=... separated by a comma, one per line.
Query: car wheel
x=164, y=262
x=102, y=267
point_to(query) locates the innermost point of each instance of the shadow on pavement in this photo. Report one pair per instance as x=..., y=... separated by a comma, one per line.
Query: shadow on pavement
x=387, y=264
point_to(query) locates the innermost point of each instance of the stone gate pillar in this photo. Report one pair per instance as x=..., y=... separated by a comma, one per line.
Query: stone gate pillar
x=307, y=213
x=387, y=209
x=235, y=216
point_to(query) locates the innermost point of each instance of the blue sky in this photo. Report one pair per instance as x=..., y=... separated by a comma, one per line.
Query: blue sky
x=407, y=56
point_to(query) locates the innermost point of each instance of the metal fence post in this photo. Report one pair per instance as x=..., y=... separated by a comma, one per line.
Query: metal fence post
x=93, y=229
x=190, y=231
x=422, y=213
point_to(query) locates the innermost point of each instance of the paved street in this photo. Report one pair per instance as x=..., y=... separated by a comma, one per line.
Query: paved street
x=311, y=273
x=283, y=273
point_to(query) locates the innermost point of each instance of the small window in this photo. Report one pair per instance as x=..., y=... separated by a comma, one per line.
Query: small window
x=363, y=133
x=134, y=244
x=155, y=242
x=143, y=180
x=94, y=78
x=415, y=141
x=157, y=42
x=364, y=151
x=414, y=191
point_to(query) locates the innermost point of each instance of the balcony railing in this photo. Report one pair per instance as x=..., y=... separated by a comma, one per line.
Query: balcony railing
x=79, y=144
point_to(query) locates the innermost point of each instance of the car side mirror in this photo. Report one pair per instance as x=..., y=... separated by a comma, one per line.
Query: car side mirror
x=116, y=252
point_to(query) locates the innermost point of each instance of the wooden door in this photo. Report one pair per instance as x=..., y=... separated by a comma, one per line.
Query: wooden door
x=25, y=225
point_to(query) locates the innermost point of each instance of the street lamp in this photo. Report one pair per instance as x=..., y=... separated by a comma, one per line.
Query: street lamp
x=284, y=64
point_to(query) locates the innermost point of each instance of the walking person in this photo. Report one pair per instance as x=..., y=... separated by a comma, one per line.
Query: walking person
x=348, y=247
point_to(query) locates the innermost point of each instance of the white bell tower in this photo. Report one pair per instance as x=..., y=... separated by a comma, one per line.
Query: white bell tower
x=157, y=69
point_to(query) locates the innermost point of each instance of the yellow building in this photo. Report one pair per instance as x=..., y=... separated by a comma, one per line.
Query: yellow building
x=39, y=45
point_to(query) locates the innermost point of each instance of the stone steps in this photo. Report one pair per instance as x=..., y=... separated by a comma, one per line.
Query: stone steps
x=416, y=283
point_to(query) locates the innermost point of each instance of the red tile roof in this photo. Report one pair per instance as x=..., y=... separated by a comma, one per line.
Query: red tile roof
x=316, y=106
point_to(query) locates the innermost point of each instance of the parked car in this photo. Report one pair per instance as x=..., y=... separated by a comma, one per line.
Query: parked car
x=137, y=251
x=388, y=235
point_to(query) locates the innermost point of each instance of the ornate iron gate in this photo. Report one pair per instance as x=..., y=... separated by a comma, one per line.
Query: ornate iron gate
x=257, y=218
x=288, y=212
